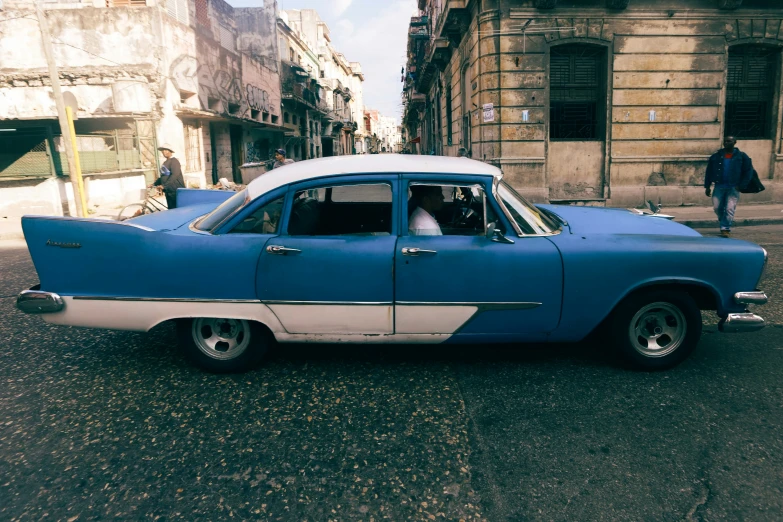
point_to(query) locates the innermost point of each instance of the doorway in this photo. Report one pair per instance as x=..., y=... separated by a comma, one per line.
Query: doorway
x=236, y=153
x=328, y=146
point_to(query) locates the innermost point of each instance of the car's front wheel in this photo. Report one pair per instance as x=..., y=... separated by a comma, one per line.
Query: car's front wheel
x=656, y=330
x=222, y=345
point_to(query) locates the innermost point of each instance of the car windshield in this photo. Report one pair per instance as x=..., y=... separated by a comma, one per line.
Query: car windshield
x=227, y=208
x=530, y=219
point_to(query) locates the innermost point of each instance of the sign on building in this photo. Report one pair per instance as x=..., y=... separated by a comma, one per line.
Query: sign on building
x=489, y=112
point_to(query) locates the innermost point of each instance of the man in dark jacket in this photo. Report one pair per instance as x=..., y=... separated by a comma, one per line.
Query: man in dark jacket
x=170, y=176
x=729, y=169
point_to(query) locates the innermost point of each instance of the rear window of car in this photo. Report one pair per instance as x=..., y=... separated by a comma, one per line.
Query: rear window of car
x=221, y=213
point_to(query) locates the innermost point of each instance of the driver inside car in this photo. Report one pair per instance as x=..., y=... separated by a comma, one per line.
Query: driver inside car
x=427, y=200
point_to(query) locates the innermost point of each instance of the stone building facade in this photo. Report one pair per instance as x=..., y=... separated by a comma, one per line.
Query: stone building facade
x=598, y=102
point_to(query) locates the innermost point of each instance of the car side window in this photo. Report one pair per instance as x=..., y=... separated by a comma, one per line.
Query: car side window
x=436, y=210
x=265, y=220
x=359, y=209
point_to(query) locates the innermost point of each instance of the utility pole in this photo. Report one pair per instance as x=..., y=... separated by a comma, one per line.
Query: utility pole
x=61, y=114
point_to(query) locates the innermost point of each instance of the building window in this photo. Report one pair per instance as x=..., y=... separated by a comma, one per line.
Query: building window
x=285, y=117
x=178, y=9
x=227, y=38
x=202, y=13
x=448, y=113
x=192, y=148
x=467, y=97
x=750, y=92
x=577, y=92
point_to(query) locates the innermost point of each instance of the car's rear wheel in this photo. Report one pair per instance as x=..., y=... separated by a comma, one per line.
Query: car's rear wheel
x=656, y=330
x=222, y=345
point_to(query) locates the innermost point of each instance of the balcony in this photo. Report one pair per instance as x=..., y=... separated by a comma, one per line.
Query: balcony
x=295, y=82
x=454, y=22
x=419, y=28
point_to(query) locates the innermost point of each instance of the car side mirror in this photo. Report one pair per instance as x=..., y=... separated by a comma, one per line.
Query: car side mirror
x=496, y=235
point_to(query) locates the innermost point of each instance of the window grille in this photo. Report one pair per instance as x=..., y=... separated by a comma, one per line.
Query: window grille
x=576, y=92
x=202, y=13
x=192, y=148
x=227, y=39
x=178, y=9
x=750, y=92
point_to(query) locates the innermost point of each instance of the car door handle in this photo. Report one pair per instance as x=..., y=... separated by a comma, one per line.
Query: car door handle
x=281, y=250
x=417, y=251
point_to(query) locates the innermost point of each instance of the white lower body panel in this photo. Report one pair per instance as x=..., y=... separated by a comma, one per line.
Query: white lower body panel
x=300, y=323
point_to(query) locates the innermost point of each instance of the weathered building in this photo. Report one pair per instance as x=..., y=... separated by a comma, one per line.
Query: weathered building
x=137, y=75
x=598, y=101
x=322, y=91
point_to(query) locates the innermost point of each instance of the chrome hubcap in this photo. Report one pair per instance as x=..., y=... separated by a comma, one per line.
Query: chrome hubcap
x=221, y=339
x=657, y=329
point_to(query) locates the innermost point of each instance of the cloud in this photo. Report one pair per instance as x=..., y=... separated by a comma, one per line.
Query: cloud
x=379, y=44
x=339, y=6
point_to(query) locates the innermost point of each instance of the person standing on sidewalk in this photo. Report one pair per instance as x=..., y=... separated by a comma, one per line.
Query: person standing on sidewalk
x=170, y=176
x=729, y=169
x=280, y=159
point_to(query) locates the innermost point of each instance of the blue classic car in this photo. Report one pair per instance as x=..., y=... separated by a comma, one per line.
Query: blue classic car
x=391, y=249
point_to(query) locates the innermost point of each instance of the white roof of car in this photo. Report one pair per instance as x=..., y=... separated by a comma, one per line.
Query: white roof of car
x=367, y=164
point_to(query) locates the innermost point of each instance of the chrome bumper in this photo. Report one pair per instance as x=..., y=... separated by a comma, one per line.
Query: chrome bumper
x=750, y=298
x=739, y=323
x=36, y=302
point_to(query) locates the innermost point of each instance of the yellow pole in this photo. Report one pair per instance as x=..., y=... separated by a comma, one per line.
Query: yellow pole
x=78, y=192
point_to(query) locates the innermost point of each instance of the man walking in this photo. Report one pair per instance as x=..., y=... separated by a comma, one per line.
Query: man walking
x=729, y=169
x=170, y=176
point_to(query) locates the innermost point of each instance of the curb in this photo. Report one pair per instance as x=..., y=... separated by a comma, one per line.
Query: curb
x=747, y=222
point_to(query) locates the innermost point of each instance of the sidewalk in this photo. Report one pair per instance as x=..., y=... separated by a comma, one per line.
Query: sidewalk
x=746, y=215
x=695, y=217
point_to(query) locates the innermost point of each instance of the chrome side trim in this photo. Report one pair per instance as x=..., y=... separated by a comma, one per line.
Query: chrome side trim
x=202, y=300
x=338, y=303
x=37, y=302
x=161, y=299
x=482, y=306
x=740, y=323
x=750, y=298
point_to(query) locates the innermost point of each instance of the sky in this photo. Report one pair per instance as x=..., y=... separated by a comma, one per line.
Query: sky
x=372, y=32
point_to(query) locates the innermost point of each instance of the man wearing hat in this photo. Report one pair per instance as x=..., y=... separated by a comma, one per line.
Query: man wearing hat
x=170, y=175
x=280, y=159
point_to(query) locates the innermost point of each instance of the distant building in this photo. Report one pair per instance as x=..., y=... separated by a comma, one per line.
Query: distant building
x=598, y=102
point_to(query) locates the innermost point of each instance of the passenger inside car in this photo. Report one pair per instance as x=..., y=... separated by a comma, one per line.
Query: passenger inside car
x=425, y=201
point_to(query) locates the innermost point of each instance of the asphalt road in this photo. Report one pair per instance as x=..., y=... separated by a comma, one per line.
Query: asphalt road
x=99, y=425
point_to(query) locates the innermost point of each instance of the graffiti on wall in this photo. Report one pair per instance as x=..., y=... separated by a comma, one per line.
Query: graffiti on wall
x=210, y=83
x=189, y=75
x=258, y=99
